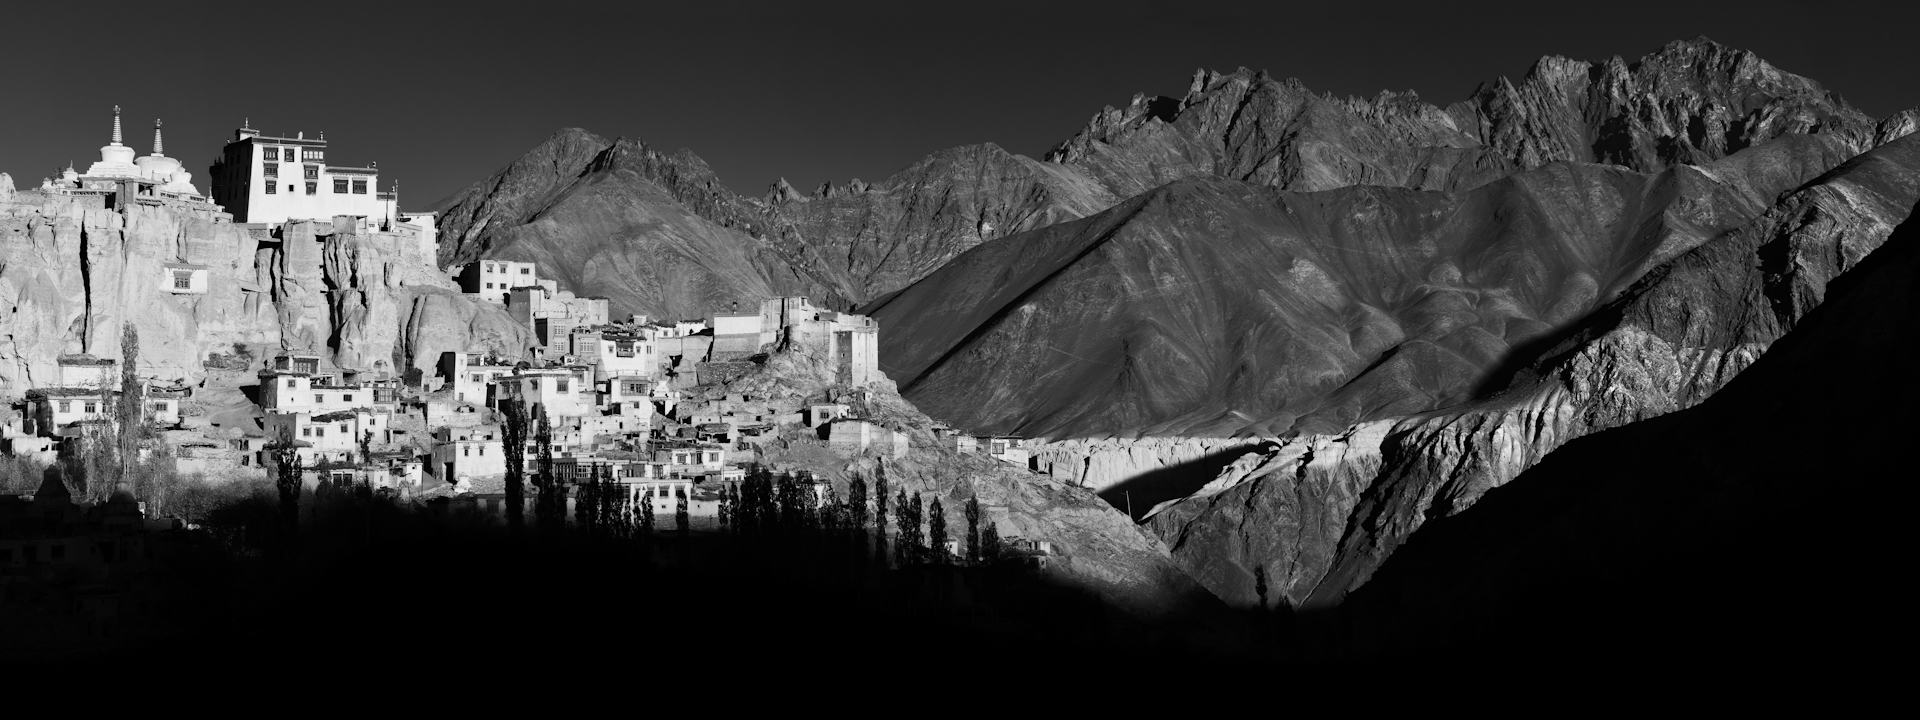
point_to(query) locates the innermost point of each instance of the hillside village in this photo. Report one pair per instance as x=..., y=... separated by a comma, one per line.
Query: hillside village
x=394, y=406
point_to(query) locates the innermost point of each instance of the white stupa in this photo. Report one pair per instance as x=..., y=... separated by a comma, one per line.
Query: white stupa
x=116, y=160
x=166, y=170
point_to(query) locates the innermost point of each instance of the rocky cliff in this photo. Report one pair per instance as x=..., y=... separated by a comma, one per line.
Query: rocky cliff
x=1668, y=342
x=73, y=273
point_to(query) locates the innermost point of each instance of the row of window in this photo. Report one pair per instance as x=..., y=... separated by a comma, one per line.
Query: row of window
x=501, y=267
x=89, y=407
x=287, y=153
x=313, y=188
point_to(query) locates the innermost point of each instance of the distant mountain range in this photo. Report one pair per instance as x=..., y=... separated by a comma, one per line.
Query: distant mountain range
x=1250, y=258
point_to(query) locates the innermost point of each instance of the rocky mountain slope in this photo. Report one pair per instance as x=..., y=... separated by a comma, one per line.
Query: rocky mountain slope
x=633, y=210
x=1749, y=526
x=1220, y=308
x=1320, y=513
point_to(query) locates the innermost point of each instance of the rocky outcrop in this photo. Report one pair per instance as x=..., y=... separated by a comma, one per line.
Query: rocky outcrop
x=74, y=272
x=1100, y=463
x=1669, y=342
x=71, y=275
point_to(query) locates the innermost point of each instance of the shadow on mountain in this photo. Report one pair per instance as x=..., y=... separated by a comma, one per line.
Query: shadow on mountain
x=1757, y=527
x=1172, y=482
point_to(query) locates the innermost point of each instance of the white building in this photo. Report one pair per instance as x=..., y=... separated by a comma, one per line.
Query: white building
x=493, y=279
x=467, y=453
x=614, y=354
x=82, y=370
x=563, y=392
x=265, y=179
x=472, y=376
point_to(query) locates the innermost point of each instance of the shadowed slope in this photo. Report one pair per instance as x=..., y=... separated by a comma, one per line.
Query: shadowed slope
x=1700, y=531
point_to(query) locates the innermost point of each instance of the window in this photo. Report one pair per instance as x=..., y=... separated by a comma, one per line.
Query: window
x=159, y=407
x=292, y=382
x=466, y=450
x=479, y=378
x=489, y=286
x=306, y=432
x=287, y=154
x=92, y=407
x=560, y=385
x=312, y=187
x=319, y=432
x=312, y=172
x=291, y=189
x=66, y=406
x=319, y=398
x=359, y=187
x=272, y=188
x=271, y=169
x=343, y=428
x=526, y=271
x=347, y=397
x=312, y=154
x=182, y=280
x=340, y=186
x=483, y=451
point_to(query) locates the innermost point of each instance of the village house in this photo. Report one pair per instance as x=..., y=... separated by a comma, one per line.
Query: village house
x=614, y=353
x=335, y=436
x=854, y=434
x=818, y=415
x=492, y=280
x=471, y=452
x=552, y=314
x=472, y=375
x=1006, y=448
x=81, y=370
x=55, y=411
x=562, y=391
x=735, y=336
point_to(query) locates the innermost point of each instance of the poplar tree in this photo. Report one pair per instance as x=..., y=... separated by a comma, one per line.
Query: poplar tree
x=989, y=543
x=550, y=506
x=916, y=542
x=973, y=529
x=937, y=532
x=880, y=502
x=131, y=421
x=514, y=430
x=857, y=504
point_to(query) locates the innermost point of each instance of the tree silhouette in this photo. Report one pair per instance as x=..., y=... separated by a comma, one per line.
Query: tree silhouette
x=989, y=543
x=973, y=529
x=550, y=505
x=513, y=412
x=129, y=421
x=937, y=532
x=286, y=456
x=857, y=503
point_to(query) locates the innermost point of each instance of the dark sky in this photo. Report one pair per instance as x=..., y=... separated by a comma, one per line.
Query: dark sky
x=814, y=92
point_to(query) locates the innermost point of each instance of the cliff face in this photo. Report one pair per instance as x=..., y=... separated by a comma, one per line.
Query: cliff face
x=1671, y=340
x=1217, y=308
x=72, y=275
